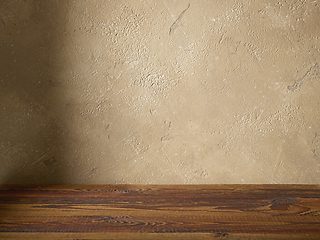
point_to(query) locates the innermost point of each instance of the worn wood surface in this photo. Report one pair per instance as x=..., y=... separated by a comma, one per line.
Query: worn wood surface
x=158, y=212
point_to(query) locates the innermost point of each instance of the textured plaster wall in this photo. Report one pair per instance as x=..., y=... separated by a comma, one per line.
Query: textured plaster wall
x=159, y=92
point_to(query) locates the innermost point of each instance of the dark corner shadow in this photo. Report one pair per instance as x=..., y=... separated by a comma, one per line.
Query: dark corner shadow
x=31, y=39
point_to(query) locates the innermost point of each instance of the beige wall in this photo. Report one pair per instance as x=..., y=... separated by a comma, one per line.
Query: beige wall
x=159, y=92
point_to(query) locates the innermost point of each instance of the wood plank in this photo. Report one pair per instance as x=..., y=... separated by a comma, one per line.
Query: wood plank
x=154, y=236
x=169, y=211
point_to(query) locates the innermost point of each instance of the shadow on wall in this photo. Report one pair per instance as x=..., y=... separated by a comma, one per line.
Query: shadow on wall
x=30, y=133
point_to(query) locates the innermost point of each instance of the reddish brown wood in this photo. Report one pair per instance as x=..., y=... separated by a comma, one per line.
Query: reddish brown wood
x=184, y=211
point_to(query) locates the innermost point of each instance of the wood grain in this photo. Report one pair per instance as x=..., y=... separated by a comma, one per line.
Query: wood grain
x=157, y=212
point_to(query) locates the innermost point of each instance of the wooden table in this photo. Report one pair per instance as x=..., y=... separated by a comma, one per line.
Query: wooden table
x=160, y=212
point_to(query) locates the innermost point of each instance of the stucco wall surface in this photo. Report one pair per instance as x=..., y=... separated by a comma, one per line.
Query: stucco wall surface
x=159, y=92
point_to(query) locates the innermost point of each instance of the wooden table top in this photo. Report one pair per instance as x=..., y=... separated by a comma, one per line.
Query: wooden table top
x=160, y=212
